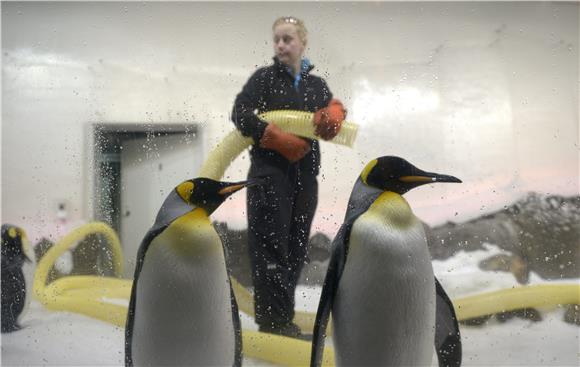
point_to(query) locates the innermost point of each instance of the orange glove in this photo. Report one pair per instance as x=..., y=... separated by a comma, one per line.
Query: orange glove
x=290, y=146
x=328, y=120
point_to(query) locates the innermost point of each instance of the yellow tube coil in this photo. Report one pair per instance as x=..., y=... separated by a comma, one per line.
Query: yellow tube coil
x=97, y=297
x=47, y=261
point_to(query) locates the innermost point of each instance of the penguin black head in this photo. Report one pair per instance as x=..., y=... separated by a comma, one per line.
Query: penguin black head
x=209, y=194
x=14, y=241
x=395, y=174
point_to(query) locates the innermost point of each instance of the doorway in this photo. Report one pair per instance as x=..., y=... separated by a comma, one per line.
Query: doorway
x=136, y=168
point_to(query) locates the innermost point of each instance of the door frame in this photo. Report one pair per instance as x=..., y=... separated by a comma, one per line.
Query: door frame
x=105, y=142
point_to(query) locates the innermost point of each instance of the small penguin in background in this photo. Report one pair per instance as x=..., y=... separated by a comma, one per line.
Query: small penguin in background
x=388, y=309
x=14, y=288
x=182, y=310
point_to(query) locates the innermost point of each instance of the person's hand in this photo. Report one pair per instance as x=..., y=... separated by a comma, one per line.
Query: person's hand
x=290, y=146
x=328, y=120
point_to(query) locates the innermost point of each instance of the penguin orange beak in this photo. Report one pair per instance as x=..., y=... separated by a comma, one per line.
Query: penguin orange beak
x=230, y=189
x=429, y=177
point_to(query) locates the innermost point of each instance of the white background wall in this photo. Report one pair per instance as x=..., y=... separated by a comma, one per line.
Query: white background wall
x=484, y=91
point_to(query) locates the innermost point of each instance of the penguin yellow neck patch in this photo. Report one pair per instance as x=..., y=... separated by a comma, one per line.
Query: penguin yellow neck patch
x=393, y=208
x=197, y=215
x=368, y=168
x=191, y=234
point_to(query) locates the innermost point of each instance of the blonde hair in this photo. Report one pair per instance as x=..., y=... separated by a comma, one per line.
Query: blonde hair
x=298, y=23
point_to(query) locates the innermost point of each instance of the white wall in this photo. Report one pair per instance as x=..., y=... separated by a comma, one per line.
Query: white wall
x=484, y=91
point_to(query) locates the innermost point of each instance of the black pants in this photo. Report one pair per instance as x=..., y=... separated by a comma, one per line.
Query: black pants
x=279, y=218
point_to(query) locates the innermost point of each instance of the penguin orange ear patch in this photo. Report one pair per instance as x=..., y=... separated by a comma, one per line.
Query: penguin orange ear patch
x=185, y=189
x=12, y=233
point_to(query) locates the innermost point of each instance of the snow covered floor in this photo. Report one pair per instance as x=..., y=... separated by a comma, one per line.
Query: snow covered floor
x=68, y=339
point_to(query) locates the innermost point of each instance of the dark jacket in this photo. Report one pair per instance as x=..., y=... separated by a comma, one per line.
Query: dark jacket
x=272, y=88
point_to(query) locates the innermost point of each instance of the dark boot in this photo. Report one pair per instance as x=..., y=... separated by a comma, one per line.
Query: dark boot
x=290, y=330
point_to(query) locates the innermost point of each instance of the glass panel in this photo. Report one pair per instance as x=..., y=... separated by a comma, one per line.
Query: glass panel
x=107, y=107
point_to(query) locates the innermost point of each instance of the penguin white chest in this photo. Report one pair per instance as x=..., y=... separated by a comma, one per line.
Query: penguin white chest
x=183, y=310
x=384, y=311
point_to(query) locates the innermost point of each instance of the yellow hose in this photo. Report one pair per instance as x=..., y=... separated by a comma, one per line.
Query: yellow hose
x=47, y=261
x=94, y=296
x=300, y=123
x=296, y=122
x=281, y=350
x=540, y=295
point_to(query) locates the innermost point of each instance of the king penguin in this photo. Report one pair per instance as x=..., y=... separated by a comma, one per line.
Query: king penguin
x=388, y=309
x=14, y=286
x=182, y=310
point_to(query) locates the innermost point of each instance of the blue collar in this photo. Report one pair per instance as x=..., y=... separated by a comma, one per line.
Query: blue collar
x=304, y=68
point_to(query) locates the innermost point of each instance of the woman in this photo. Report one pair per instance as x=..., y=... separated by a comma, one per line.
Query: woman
x=280, y=215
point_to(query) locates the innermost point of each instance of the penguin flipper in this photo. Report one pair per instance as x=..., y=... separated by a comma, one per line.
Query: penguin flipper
x=237, y=329
x=335, y=268
x=133, y=300
x=129, y=329
x=447, y=336
x=130, y=321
